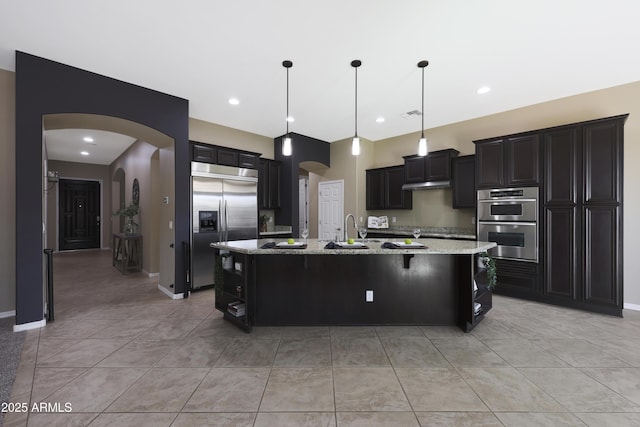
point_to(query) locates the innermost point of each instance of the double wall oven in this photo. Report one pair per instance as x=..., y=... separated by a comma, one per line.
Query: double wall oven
x=509, y=217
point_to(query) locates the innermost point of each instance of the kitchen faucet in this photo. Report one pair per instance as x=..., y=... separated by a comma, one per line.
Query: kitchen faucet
x=346, y=223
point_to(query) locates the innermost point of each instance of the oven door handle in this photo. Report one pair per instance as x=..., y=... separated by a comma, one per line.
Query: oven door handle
x=532, y=223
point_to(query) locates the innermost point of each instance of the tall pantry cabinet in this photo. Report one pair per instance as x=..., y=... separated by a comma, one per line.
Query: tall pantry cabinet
x=582, y=215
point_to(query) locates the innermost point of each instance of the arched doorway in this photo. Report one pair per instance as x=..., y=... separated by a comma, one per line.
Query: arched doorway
x=45, y=87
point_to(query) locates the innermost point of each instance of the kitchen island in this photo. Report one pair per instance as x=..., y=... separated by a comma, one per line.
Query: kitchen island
x=311, y=284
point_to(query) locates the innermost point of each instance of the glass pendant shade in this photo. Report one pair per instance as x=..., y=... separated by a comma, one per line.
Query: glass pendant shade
x=286, y=146
x=355, y=146
x=286, y=141
x=422, y=144
x=422, y=147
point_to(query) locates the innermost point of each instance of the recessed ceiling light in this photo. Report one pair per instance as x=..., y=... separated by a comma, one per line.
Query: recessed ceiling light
x=87, y=139
x=234, y=101
x=484, y=89
x=291, y=119
x=380, y=120
x=84, y=153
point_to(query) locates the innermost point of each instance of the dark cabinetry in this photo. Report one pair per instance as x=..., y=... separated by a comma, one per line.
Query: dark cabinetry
x=204, y=153
x=269, y=175
x=436, y=166
x=223, y=156
x=517, y=278
x=508, y=161
x=579, y=170
x=384, y=189
x=582, y=215
x=463, y=176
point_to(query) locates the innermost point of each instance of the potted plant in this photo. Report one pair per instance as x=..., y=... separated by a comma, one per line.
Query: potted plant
x=263, y=222
x=129, y=212
x=490, y=265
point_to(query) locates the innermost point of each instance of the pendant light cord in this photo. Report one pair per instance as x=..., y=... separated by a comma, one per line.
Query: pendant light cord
x=287, y=118
x=356, y=101
x=422, y=102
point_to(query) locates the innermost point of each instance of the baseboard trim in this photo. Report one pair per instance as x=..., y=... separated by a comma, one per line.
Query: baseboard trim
x=629, y=306
x=6, y=314
x=152, y=274
x=31, y=325
x=169, y=294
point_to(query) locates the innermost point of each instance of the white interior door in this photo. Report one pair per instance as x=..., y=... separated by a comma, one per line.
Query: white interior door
x=303, y=204
x=330, y=210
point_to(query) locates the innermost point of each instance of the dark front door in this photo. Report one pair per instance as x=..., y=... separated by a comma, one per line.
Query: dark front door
x=79, y=215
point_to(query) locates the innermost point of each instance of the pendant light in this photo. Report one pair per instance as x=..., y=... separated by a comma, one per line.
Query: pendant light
x=422, y=144
x=286, y=141
x=355, y=142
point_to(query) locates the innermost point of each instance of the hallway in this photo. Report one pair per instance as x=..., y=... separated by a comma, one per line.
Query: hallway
x=121, y=353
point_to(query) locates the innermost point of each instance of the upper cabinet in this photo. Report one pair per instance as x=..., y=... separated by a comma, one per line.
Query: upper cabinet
x=463, y=174
x=436, y=166
x=225, y=156
x=269, y=184
x=204, y=153
x=384, y=189
x=508, y=161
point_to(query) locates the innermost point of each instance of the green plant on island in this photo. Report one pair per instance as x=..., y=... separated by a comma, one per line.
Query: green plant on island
x=490, y=265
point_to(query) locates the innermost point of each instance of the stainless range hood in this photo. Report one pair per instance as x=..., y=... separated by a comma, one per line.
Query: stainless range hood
x=427, y=185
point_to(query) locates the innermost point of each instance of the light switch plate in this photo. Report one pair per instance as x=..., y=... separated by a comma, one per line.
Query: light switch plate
x=368, y=295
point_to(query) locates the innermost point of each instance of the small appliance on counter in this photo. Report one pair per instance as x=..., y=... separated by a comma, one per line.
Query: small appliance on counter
x=378, y=222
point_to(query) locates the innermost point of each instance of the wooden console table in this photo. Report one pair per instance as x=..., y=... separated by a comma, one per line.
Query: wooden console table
x=127, y=252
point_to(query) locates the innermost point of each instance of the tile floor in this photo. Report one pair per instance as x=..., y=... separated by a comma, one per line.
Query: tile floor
x=122, y=353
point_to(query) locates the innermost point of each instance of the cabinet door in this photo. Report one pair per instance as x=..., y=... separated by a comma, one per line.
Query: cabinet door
x=249, y=161
x=463, y=175
x=395, y=197
x=490, y=164
x=227, y=157
x=438, y=166
x=274, y=185
x=263, y=184
x=516, y=278
x=204, y=153
x=561, y=166
x=375, y=189
x=602, y=263
x=414, y=169
x=602, y=159
x=522, y=165
x=561, y=252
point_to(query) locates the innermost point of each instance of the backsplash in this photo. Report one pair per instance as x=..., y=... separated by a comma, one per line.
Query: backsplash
x=430, y=208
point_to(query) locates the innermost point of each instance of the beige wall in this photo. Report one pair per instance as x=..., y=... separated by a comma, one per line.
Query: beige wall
x=82, y=171
x=7, y=192
x=349, y=168
x=136, y=163
x=214, y=134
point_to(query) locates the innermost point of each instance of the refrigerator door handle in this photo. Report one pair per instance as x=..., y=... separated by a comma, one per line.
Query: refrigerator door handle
x=220, y=225
x=226, y=221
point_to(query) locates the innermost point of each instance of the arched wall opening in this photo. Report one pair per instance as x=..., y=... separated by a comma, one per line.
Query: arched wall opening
x=46, y=87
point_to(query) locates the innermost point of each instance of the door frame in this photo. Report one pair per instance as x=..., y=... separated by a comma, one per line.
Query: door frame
x=102, y=206
x=320, y=185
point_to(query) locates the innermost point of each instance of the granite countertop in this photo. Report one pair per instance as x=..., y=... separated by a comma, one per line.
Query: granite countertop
x=316, y=247
x=439, y=232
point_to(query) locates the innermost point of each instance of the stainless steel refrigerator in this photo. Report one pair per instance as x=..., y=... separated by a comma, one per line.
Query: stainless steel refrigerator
x=224, y=207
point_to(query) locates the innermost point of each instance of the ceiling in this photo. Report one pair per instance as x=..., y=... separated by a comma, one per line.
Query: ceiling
x=210, y=51
x=70, y=145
